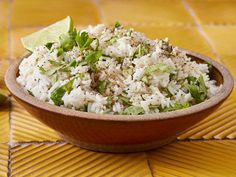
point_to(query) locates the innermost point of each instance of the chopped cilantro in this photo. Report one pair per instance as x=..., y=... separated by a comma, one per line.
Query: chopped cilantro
x=67, y=40
x=153, y=106
x=59, y=92
x=42, y=70
x=101, y=86
x=141, y=50
x=124, y=100
x=176, y=106
x=83, y=40
x=55, y=63
x=73, y=63
x=30, y=92
x=60, y=51
x=109, y=101
x=210, y=67
x=162, y=67
x=49, y=45
x=197, y=88
x=134, y=110
x=91, y=59
x=145, y=79
x=117, y=24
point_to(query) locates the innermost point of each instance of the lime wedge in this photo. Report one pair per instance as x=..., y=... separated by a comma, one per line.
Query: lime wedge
x=46, y=35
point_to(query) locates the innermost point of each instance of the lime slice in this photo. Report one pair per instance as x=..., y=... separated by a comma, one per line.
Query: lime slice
x=46, y=35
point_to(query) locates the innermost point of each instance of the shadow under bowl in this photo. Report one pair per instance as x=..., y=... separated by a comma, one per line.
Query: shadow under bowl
x=121, y=133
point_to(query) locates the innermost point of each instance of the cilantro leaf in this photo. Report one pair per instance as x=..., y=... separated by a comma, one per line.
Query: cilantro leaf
x=101, y=86
x=141, y=50
x=109, y=101
x=56, y=96
x=117, y=24
x=42, y=70
x=59, y=92
x=67, y=41
x=49, y=45
x=69, y=86
x=176, y=106
x=145, y=80
x=197, y=88
x=91, y=59
x=134, y=110
x=124, y=100
x=30, y=92
x=162, y=67
x=83, y=40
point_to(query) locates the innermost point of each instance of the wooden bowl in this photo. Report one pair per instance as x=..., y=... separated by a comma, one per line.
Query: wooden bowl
x=121, y=133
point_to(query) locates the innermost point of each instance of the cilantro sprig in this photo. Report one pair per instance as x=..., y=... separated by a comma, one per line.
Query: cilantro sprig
x=197, y=88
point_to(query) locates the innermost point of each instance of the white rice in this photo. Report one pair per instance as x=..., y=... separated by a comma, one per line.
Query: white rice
x=120, y=70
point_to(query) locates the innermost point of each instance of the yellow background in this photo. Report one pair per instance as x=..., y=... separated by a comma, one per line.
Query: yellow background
x=28, y=148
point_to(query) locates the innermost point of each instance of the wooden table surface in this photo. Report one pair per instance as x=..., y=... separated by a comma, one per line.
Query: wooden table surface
x=29, y=148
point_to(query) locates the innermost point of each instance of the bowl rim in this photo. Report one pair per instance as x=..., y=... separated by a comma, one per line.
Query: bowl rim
x=227, y=87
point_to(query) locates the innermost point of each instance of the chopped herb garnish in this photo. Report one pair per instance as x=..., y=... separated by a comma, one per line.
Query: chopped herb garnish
x=30, y=92
x=101, y=86
x=49, y=45
x=134, y=110
x=73, y=63
x=91, y=59
x=176, y=106
x=210, y=67
x=141, y=50
x=60, y=51
x=55, y=63
x=117, y=25
x=162, y=67
x=58, y=93
x=145, y=80
x=109, y=101
x=197, y=88
x=42, y=70
x=67, y=41
x=124, y=100
x=153, y=106
x=83, y=40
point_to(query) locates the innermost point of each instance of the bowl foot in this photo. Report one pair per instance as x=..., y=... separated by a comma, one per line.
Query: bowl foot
x=118, y=148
